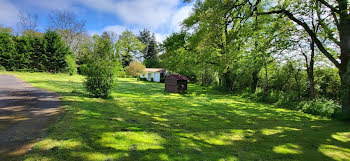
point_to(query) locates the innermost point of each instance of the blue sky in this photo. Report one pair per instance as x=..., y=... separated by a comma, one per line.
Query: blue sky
x=160, y=16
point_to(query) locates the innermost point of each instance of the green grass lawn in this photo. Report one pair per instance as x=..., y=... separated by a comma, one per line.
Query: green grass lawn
x=143, y=122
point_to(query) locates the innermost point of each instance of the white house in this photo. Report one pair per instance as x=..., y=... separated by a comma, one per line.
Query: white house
x=154, y=74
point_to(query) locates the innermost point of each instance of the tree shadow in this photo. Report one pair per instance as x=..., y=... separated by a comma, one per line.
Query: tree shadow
x=24, y=116
x=143, y=122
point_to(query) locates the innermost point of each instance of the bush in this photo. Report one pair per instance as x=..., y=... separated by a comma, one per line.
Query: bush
x=71, y=67
x=135, y=69
x=322, y=107
x=82, y=69
x=100, y=79
x=2, y=68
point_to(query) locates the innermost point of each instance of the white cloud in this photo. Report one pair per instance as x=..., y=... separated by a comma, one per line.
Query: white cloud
x=160, y=16
x=179, y=16
x=150, y=13
x=51, y=4
x=160, y=37
x=8, y=13
x=116, y=28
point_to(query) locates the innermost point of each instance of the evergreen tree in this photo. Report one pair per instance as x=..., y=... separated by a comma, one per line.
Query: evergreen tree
x=150, y=52
x=25, y=52
x=38, y=56
x=55, y=51
x=7, y=51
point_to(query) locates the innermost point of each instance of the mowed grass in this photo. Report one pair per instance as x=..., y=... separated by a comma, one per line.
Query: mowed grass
x=143, y=122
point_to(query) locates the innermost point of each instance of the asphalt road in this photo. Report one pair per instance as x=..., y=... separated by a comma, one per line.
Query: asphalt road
x=25, y=113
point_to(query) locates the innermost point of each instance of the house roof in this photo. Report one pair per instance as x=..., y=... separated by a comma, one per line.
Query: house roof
x=154, y=69
x=177, y=77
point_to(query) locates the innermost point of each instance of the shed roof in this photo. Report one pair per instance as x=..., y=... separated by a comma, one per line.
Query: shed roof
x=154, y=69
x=177, y=77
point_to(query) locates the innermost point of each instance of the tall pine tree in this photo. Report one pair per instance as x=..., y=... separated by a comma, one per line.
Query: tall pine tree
x=7, y=51
x=150, y=52
x=55, y=51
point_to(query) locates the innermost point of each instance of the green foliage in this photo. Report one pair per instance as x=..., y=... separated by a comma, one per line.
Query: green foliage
x=152, y=63
x=322, y=107
x=128, y=46
x=328, y=83
x=33, y=53
x=150, y=50
x=25, y=51
x=101, y=68
x=3, y=29
x=71, y=68
x=55, y=52
x=99, y=79
x=135, y=69
x=7, y=51
x=2, y=68
x=178, y=58
x=39, y=58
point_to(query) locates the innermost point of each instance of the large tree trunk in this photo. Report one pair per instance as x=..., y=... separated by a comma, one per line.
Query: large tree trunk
x=344, y=71
x=345, y=77
x=310, y=71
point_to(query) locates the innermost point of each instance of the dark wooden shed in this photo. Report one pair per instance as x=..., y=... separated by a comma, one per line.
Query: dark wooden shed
x=176, y=83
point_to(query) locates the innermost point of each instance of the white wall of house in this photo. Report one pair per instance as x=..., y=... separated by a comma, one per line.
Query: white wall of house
x=150, y=75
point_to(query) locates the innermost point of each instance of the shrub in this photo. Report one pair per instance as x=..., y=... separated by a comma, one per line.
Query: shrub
x=135, y=69
x=101, y=68
x=2, y=68
x=322, y=107
x=71, y=67
x=143, y=79
x=119, y=70
x=100, y=79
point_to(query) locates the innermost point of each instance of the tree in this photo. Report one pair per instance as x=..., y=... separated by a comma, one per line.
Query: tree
x=7, y=51
x=101, y=67
x=334, y=17
x=151, y=48
x=145, y=38
x=55, y=52
x=150, y=51
x=69, y=27
x=336, y=26
x=135, y=69
x=8, y=30
x=128, y=46
x=39, y=58
x=27, y=24
x=25, y=52
x=177, y=56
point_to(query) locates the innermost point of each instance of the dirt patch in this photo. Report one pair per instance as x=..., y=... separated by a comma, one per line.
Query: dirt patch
x=25, y=113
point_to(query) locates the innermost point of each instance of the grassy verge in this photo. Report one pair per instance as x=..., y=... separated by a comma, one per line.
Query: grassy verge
x=143, y=122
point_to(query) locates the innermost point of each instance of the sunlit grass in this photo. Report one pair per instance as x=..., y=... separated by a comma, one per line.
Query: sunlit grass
x=143, y=122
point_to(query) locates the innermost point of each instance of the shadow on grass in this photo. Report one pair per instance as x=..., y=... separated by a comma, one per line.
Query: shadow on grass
x=143, y=122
